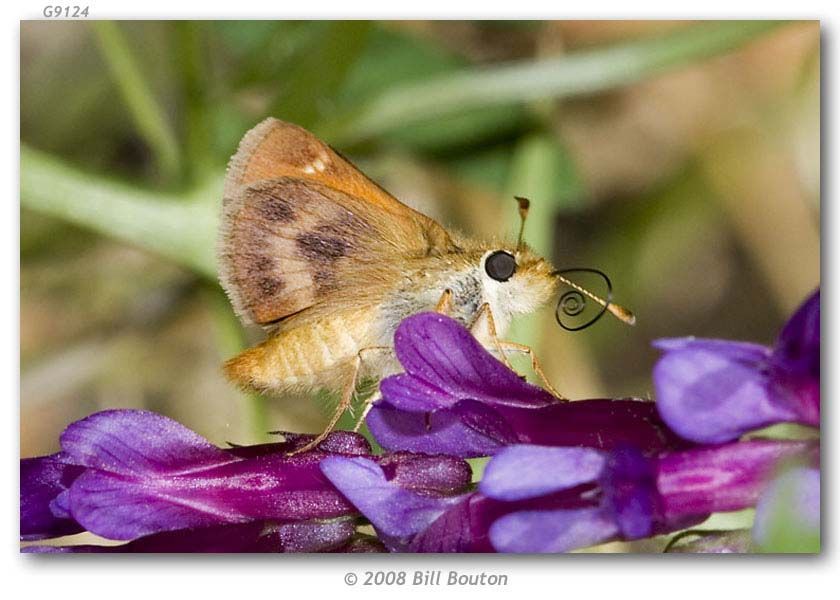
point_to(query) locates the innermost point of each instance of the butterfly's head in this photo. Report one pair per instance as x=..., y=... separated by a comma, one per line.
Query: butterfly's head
x=516, y=280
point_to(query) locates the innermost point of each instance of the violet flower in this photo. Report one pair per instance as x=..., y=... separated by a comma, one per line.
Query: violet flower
x=630, y=496
x=714, y=391
x=337, y=535
x=549, y=499
x=456, y=398
x=410, y=521
x=127, y=474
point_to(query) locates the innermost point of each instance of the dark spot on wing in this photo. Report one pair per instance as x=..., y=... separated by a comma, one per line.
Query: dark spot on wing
x=260, y=263
x=326, y=244
x=319, y=246
x=331, y=241
x=269, y=286
x=272, y=207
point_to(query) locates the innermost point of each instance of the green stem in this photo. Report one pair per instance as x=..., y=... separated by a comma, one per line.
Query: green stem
x=148, y=115
x=180, y=227
x=231, y=340
x=514, y=83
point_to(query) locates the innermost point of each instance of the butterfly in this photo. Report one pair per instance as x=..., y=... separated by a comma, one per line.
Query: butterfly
x=329, y=263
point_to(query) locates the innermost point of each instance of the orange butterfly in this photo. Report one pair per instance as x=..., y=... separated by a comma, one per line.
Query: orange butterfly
x=330, y=263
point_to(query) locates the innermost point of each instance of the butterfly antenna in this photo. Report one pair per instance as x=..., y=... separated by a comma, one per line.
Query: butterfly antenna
x=524, y=205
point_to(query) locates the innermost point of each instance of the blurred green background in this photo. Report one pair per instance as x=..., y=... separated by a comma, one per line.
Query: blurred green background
x=680, y=158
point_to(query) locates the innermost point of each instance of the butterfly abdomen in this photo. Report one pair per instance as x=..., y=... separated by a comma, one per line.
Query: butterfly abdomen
x=300, y=357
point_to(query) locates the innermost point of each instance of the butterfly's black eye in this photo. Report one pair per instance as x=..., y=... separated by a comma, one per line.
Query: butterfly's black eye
x=500, y=265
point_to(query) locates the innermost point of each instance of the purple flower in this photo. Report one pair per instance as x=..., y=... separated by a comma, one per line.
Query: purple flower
x=622, y=493
x=456, y=398
x=411, y=521
x=337, y=535
x=714, y=391
x=42, y=482
x=127, y=474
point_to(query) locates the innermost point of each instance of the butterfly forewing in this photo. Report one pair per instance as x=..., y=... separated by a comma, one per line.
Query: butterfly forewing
x=301, y=226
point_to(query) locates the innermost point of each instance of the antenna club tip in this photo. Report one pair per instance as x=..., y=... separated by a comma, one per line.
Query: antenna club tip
x=623, y=314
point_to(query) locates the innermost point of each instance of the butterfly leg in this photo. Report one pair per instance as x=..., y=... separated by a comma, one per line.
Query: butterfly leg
x=373, y=398
x=535, y=364
x=483, y=329
x=444, y=305
x=346, y=398
x=369, y=402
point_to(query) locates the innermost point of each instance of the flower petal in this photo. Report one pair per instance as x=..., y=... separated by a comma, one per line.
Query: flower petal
x=519, y=472
x=276, y=487
x=798, y=346
x=42, y=481
x=256, y=536
x=445, y=364
x=135, y=441
x=430, y=474
x=463, y=527
x=548, y=531
x=337, y=442
x=469, y=429
x=394, y=511
x=713, y=391
x=629, y=484
x=595, y=423
x=722, y=478
x=796, y=362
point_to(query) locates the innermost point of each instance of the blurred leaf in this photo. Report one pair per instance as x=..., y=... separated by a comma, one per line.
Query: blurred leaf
x=260, y=51
x=316, y=78
x=460, y=131
x=148, y=115
x=542, y=171
x=248, y=38
x=578, y=73
x=231, y=340
x=788, y=528
x=180, y=228
x=191, y=62
x=392, y=58
x=489, y=168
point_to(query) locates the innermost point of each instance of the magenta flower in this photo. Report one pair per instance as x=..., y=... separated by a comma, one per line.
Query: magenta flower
x=630, y=496
x=406, y=520
x=456, y=398
x=337, y=535
x=714, y=391
x=128, y=474
x=549, y=499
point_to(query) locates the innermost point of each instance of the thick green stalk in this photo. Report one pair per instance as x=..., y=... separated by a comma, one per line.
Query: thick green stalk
x=181, y=228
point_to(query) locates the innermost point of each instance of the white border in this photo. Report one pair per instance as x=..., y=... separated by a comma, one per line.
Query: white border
x=248, y=577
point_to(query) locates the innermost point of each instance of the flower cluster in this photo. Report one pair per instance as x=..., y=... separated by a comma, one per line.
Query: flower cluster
x=135, y=475
x=560, y=476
